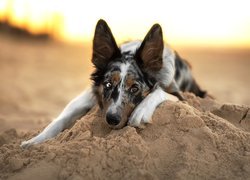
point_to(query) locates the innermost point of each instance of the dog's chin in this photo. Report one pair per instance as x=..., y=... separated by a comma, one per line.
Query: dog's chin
x=118, y=126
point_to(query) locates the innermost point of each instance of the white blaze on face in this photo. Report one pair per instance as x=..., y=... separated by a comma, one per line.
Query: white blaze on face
x=124, y=70
x=130, y=46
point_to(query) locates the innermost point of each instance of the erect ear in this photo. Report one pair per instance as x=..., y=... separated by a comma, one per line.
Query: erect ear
x=149, y=55
x=104, y=45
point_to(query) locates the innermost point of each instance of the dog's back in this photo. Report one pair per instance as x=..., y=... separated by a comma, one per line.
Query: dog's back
x=184, y=78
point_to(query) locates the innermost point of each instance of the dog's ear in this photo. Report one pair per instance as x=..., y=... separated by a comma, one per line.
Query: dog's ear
x=149, y=55
x=104, y=45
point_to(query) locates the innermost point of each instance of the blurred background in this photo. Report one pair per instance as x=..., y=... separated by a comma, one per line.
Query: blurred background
x=45, y=49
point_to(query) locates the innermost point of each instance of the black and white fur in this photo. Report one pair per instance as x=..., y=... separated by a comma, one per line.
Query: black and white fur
x=129, y=82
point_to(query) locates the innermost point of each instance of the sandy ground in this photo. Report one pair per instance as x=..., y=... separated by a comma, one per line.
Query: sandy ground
x=201, y=139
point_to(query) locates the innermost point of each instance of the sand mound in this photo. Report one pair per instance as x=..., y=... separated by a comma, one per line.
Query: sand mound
x=200, y=139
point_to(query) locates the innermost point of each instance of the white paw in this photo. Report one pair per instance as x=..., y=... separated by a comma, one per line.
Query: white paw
x=35, y=140
x=26, y=144
x=142, y=114
x=172, y=98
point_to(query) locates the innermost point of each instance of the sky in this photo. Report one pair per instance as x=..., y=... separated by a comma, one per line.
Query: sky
x=192, y=22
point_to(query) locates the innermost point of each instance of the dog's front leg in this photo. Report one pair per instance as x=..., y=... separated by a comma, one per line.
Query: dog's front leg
x=77, y=108
x=144, y=111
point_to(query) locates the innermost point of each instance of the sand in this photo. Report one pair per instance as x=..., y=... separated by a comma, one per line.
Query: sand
x=199, y=139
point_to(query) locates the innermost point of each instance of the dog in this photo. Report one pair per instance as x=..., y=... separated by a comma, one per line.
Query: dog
x=129, y=82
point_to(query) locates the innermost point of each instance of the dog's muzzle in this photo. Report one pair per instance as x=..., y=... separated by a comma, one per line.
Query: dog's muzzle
x=113, y=119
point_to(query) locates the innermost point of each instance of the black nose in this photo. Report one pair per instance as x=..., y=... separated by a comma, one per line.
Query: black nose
x=113, y=119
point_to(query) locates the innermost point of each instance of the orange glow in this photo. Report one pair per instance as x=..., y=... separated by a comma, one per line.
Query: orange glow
x=193, y=22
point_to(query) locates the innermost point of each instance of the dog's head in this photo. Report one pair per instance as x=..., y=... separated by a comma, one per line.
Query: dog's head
x=123, y=79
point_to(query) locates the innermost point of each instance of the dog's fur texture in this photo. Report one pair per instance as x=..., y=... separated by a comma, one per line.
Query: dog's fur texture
x=128, y=82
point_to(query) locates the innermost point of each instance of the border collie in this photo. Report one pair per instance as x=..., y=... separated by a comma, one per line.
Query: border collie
x=129, y=82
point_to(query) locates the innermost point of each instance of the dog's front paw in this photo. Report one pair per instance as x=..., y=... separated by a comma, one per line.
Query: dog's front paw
x=26, y=144
x=141, y=115
x=31, y=142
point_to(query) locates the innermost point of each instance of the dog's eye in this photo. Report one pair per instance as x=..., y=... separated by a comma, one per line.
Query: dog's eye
x=134, y=89
x=108, y=85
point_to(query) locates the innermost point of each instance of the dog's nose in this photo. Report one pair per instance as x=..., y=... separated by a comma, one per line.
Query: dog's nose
x=113, y=119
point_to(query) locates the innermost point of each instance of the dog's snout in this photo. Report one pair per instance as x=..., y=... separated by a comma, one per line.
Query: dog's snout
x=113, y=119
